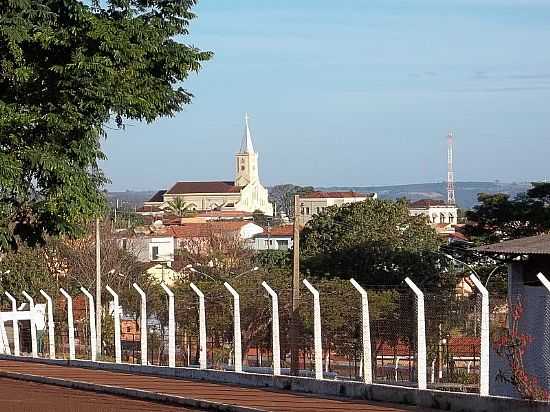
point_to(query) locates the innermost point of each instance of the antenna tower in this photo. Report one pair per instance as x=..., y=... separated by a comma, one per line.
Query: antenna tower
x=450, y=171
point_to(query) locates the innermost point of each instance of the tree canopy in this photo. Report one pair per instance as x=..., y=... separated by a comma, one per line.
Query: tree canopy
x=376, y=242
x=497, y=217
x=69, y=70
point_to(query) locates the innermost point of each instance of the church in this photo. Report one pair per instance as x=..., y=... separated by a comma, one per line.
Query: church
x=245, y=193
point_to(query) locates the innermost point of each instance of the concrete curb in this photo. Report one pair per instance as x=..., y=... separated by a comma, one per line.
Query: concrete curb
x=434, y=399
x=138, y=394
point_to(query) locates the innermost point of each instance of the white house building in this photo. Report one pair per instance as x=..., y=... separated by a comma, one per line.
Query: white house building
x=245, y=193
x=437, y=211
x=277, y=238
x=313, y=203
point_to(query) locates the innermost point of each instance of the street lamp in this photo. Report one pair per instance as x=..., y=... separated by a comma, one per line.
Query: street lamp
x=254, y=269
x=471, y=268
x=192, y=269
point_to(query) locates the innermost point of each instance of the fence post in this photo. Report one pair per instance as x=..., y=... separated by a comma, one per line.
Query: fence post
x=484, y=353
x=367, y=355
x=93, y=336
x=143, y=327
x=202, y=326
x=275, y=329
x=171, y=327
x=421, y=335
x=51, y=324
x=545, y=282
x=236, y=328
x=116, y=318
x=15, y=325
x=316, y=330
x=70, y=322
x=34, y=348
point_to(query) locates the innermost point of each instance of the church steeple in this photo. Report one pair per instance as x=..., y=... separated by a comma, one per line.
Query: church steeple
x=246, y=144
x=247, y=159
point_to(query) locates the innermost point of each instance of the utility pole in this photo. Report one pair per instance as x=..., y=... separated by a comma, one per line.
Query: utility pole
x=294, y=319
x=98, y=287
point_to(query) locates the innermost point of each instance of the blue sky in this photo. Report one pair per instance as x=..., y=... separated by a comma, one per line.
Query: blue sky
x=355, y=92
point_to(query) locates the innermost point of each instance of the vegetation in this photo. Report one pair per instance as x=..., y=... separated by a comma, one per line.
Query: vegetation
x=70, y=70
x=179, y=207
x=376, y=242
x=283, y=196
x=497, y=217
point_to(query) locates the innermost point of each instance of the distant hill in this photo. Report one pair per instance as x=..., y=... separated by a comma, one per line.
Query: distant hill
x=466, y=192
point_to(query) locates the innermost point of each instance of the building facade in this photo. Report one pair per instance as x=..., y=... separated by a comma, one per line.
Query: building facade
x=245, y=193
x=313, y=203
x=437, y=211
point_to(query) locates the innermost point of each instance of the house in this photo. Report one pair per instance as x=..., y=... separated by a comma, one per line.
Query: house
x=437, y=211
x=276, y=238
x=313, y=203
x=244, y=194
x=526, y=257
x=149, y=248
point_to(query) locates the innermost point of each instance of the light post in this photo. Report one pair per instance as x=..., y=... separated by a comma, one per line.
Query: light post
x=194, y=270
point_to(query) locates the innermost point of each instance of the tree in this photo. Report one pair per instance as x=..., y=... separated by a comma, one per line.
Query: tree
x=69, y=70
x=283, y=196
x=179, y=207
x=497, y=217
x=375, y=241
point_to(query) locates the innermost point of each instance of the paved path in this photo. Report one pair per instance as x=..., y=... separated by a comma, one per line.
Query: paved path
x=20, y=396
x=260, y=399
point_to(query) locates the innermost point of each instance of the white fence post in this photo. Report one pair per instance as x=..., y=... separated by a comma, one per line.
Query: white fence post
x=116, y=318
x=236, y=328
x=4, y=342
x=70, y=322
x=545, y=282
x=367, y=355
x=15, y=325
x=421, y=335
x=93, y=338
x=316, y=330
x=143, y=327
x=202, y=326
x=484, y=352
x=51, y=324
x=275, y=330
x=34, y=348
x=171, y=327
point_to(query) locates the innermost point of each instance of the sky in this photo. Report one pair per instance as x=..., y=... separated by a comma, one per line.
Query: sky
x=355, y=93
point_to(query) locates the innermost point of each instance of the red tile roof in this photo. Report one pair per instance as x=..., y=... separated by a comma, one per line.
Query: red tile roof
x=203, y=187
x=224, y=213
x=282, y=231
x=194, y=230
x=158, y=197
x=424, y=203
x=149, y=209
x=331, y=195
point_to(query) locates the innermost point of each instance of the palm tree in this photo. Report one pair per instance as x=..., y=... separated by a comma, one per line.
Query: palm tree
x=179, y=207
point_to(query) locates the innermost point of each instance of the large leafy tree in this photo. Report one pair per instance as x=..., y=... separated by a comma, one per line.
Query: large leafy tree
x=497, y=217
x=69, y=70
x=376, y=242
x=283, y=196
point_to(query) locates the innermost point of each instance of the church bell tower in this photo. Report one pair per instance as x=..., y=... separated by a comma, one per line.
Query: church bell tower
x=246, y=160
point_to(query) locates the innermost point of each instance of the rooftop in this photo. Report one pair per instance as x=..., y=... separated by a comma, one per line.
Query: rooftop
x=533, y=245
x=332, y=195
x=196, y=230
x=181, y=188
x=425, y=203
x=158, y=197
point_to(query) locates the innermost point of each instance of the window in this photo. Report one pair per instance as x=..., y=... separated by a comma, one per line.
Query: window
x=124, y=244
x=318, y=210
x=451, y=218
x=128, y=329
x=155, y=252
x=307, y=210
x=242, y=167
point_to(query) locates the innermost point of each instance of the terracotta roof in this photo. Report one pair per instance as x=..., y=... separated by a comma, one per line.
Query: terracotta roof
x=425, y=203
x=224, y=213
x=158, y=197
x=282, y=231
x=150, y=209
x=203, y=187
x=533, y=245
x=332, y=195
x=194, y=230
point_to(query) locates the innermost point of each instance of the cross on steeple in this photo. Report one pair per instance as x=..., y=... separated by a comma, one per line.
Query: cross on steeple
x=246, y=144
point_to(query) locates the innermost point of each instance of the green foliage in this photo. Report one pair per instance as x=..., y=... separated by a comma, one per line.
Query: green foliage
x=67, y=69
x=179, y=207
x=283, y=196
x=273, y=258
x=497, y=217
x=375, y=241
x=28, y=271
x=260, y=218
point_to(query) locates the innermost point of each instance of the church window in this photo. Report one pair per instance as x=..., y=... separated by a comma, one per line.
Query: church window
x=242, y=167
